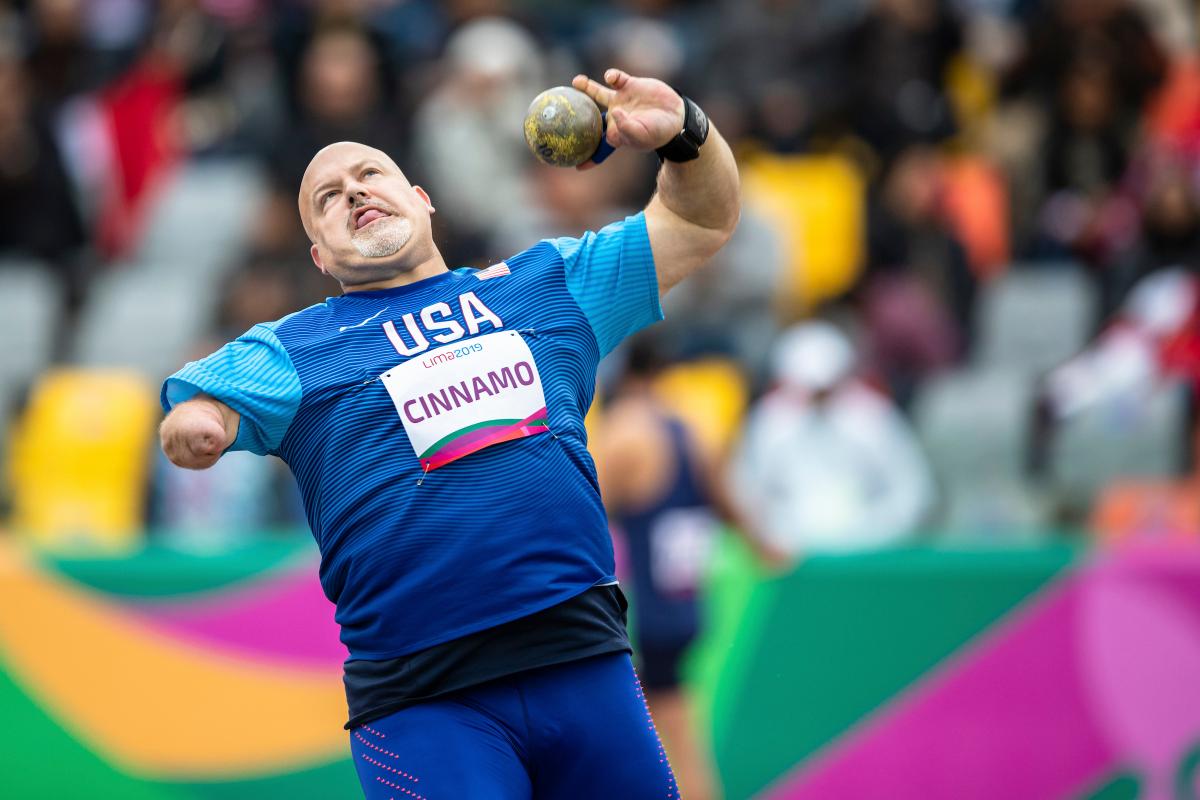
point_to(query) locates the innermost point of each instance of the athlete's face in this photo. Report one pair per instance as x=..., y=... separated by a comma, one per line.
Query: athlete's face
x=367, y=223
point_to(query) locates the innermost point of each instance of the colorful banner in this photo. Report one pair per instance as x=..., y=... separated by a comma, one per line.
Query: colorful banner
x=987, y=675
x=911, y=674
x=233, y=692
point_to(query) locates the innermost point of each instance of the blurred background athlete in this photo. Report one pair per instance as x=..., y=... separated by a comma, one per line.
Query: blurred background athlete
x=665, y=497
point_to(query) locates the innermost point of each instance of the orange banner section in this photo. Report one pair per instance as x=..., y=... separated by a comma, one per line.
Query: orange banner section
x=153, y=705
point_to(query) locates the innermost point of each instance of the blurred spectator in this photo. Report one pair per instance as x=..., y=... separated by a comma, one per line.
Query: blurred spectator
x=779, y=70
x=1169, y=229
x=1065, y=33
x=565, y=202
x=467, y=137
x=341, y=94
x=897, y=58
x=919, y=296
x=62, y=60
x=1084, y=157
x=1155, y=336
x=827, y=464
x=198, y=45
x=262, y=290
x=664, y=39
x=38, y=213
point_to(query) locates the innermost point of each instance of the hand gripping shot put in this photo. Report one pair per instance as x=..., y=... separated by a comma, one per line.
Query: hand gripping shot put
x=433, y=419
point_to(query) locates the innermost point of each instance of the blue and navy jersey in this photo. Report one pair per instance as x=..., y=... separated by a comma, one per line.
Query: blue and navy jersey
x=414, y=557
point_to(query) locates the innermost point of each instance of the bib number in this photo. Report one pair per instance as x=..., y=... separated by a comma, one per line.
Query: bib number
x=459, y=399
x=681, y=546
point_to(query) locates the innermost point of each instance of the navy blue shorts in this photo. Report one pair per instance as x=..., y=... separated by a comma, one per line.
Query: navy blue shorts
x=575, y=731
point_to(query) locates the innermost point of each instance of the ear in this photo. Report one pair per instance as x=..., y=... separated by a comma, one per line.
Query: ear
x=421, y=193
x=316, y=257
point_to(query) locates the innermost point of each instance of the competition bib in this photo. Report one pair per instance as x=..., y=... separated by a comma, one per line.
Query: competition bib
x=681, y=546
x=461, y=398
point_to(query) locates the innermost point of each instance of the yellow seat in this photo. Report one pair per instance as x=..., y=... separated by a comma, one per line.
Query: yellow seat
x=710, y=396
x=79, y=460
x=817, y=206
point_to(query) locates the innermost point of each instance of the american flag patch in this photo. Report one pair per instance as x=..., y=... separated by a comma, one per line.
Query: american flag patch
x=494, y=271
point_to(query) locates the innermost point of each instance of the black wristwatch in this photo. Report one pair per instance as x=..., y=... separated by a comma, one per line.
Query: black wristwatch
x=686, y=144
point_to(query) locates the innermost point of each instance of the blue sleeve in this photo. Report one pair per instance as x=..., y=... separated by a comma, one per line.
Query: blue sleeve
x=254, y=376
x=611, y=275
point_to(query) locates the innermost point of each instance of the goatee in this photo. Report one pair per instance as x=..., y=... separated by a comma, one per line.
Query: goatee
x=382, y=238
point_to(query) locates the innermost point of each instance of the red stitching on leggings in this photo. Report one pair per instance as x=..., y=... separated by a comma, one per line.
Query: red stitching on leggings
x=360, y=737
x=401, y=788
x=369, y=729
x=381, y=765
x=672, y=786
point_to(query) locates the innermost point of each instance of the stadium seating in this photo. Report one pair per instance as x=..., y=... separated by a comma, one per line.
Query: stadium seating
x=1033, y=318
x=201, y=219
x=144, y=318
x=817, y=205
x=79, y=458
x=976, y=426
x=710, y=396
x=1141, y=436
x=29, y=309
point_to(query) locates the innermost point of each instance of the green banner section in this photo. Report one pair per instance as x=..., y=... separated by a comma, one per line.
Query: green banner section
x=842, y=635
x=1124, y=786
x=328, y=782
x=160, y=571
x=38, y=759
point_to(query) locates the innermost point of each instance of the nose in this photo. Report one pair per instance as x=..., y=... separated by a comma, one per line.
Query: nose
x=357, y=195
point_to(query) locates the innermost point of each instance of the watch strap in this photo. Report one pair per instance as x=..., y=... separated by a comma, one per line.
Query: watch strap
x=686, y=144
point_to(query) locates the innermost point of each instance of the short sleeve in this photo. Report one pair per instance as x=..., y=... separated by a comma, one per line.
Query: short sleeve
x=611, y=275
x=254, y=376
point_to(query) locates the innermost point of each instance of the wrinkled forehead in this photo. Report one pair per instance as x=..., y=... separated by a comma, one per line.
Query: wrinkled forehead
x=331, y=161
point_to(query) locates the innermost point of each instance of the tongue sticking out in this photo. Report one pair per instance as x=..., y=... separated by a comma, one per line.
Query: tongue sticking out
x=368, y=216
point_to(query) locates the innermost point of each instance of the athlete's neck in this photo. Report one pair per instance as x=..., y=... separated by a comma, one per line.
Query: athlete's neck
x=434, y=265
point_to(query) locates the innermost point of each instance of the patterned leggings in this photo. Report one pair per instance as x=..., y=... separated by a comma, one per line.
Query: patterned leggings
x=576, y=731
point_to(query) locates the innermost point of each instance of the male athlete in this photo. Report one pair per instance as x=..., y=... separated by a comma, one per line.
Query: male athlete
x=433, y=419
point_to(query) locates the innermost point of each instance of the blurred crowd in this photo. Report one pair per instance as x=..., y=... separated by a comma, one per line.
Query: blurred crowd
x=964, y=295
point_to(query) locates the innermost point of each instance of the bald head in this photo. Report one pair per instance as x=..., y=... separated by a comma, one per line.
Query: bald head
x=326, y=168
x=368, y=225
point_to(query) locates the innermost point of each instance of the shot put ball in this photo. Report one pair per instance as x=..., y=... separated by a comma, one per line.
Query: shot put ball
x=563, y=127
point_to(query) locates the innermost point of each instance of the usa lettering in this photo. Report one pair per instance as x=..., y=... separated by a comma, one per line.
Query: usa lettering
x=439, y=324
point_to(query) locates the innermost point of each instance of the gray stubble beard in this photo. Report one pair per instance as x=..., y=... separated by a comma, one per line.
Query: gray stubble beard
x=383, y=238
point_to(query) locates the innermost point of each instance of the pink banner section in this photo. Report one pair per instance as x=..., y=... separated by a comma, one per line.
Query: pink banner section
x=284, y=617
x=1096, y=674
